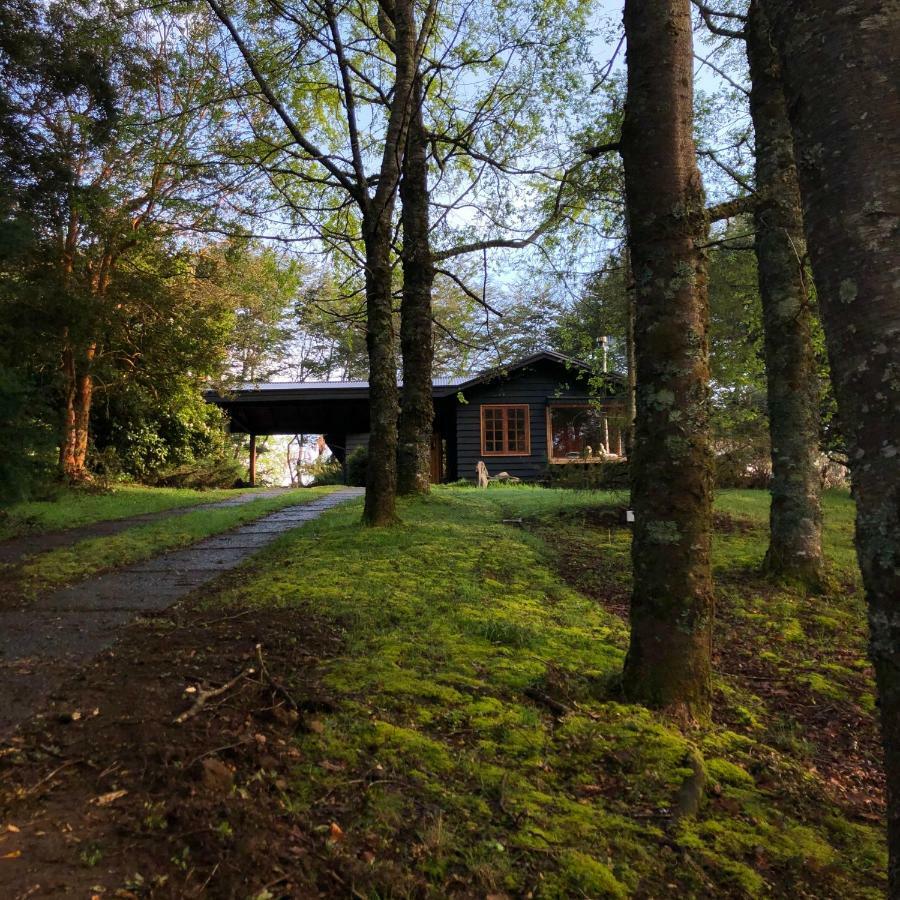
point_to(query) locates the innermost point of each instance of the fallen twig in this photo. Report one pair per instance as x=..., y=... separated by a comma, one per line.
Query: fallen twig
x=273, y=682
x=203, y=697
x=47, y=778
x=557, y=708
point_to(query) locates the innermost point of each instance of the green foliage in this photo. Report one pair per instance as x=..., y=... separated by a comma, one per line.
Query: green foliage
x=26, y=442
x=611, y=475
x=324, y=471
x=358, y=466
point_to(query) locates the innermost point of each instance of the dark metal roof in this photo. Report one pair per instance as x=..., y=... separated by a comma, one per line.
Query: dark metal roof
x=347, y=390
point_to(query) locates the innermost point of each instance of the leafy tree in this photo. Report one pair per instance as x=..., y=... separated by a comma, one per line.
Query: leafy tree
x=336, y=157
x=119, y=186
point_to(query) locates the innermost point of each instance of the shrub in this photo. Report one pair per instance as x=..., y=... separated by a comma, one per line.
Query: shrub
x=358, y=467
x=611, y=475
x=212, y=472
x=323, y=471
x=27, y=443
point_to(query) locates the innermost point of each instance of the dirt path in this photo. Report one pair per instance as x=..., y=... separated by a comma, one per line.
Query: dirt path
x=15, y=549
x=41, y=645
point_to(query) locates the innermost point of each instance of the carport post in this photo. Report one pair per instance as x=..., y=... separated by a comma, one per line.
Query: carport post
x=252, y=460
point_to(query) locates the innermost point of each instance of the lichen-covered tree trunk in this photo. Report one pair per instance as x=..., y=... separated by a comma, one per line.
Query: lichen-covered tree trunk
x=795, y=543
x=841, y=66
x=417, y=407
x=668, y=662
x=378, y=213
x=381, y=477
x=630, y=374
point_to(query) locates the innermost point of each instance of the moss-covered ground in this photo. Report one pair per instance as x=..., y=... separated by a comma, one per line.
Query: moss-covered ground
x=71, y=507
x=84, y=558
x=474, y=742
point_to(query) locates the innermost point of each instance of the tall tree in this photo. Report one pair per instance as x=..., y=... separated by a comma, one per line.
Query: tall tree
x=109, y=199
x=842, y=73
x=339, y=62
x=795, y=543
x=668, y=661
x=795, y=518
x=416, y=343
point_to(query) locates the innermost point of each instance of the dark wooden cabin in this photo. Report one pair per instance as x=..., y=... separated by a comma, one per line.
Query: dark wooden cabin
x=540, y=411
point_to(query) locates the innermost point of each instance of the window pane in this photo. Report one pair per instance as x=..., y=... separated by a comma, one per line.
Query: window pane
x=584, y=432
x=504, y=429
x=517, y=439
x=493, y=430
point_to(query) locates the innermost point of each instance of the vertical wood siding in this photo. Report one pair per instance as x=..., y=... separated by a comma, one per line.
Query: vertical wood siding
x=536, y=385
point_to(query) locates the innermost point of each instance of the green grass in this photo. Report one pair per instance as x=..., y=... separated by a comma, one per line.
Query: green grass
x=88, y=557
x=837, y=537
x=72, y=507
x=444, y=766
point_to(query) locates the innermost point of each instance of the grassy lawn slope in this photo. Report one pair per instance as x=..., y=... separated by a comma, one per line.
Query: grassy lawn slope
x=72, y=507
x=478, y=742
x=434, y=711
x=66, y=565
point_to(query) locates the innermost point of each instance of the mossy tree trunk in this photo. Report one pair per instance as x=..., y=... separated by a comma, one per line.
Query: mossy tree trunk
x=630, y=375
x=378, y=213
x=381, y=478
x=417, y=406
x=795, y=543
x=842, y=75
x=668, y=662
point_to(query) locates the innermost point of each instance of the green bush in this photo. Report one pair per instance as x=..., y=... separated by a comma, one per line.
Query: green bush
x=358, y=466
x=27, y=443
x=324, y=471
x=612, y=475
x=213, y=472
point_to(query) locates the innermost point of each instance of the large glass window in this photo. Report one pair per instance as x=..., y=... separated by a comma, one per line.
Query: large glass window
x=585, y=433
x=504, y=430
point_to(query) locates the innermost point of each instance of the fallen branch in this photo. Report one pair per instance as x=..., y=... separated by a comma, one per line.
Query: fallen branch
x=557, y=708
x=268, y=678
x=203, y=697
x=47, y=778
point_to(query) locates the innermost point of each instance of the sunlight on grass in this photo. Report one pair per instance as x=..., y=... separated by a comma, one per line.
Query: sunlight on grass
x=71, y=507
x=477, y=738
x=69, y=564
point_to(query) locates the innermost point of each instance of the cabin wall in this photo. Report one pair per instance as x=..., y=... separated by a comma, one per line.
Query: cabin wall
x=355, y=441
x=536, y=385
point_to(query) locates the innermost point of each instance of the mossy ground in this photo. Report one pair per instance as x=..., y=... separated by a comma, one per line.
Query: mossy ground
x=475, y=742
x=71, y=507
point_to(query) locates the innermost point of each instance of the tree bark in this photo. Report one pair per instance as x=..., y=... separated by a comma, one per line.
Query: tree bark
x=381, y=479
x=668, y=661
x=795, y=542
x=842, y=78
x=79, y=390
x=381, y=475
x=630, y=373
x=417, y=407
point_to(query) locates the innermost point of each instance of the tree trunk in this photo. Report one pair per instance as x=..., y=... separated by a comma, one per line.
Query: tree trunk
x=842, y=83
x=79, y=391
x=668, y=661
x=381, y=476
x=630, y=375
x=377, y=216
x=795, y=543
x=67, y=439
x=417, y=407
